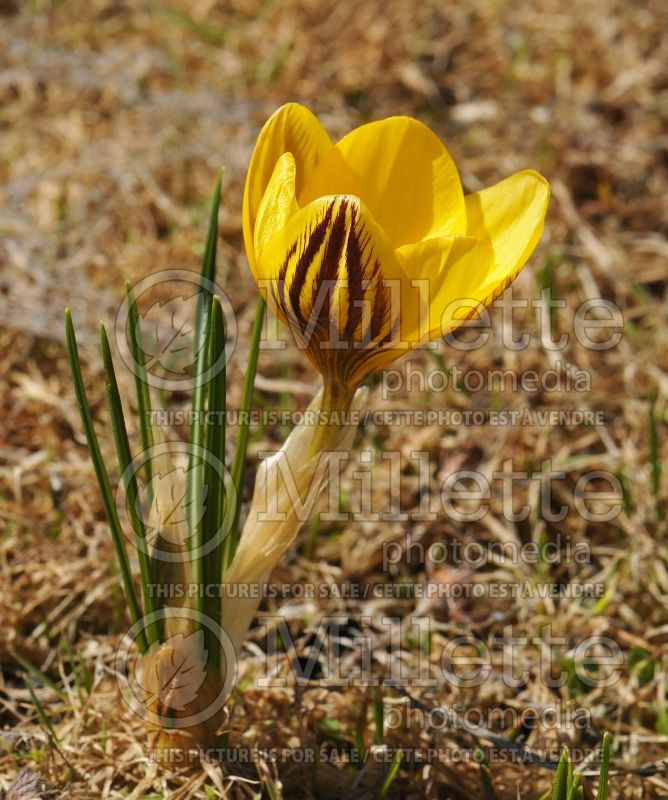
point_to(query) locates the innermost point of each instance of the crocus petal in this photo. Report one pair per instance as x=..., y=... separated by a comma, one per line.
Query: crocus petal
x=451, y=275
x=333, y=274
x=403, y=173
x=510, y=216
x=278, y=204
x=291, y=129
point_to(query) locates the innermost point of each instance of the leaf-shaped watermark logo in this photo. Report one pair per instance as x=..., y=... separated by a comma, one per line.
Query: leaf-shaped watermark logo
x=172, y=673
x=166, y=331
x=172, y=509
x=170, y=517
x=156, y=338
x=172, y=684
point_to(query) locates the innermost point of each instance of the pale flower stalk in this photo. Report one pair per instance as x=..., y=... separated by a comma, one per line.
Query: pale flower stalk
x=287, y=487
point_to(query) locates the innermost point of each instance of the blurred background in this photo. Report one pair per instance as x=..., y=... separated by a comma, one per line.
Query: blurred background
x=114, y=120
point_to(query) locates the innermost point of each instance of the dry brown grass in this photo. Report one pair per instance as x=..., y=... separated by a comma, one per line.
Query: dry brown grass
x=114, y=118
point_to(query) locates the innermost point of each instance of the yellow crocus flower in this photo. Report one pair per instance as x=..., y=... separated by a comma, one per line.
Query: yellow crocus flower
x=368, y=247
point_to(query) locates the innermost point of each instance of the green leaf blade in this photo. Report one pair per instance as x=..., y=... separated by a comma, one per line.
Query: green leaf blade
x=194, y=496
x=103, y=480
x=235, y=489
x=602, y=791
x=144, y=409
x=214, y=480
x=128, y=478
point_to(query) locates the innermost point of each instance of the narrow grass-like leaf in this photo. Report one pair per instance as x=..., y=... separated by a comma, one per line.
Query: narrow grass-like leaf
x=272, y=792
x=103, y=480
x=627, y=499
x=569, y=777
x=214, y=481
x=391, y=775
x=141, y=384
x=41, y=713
x=560, y=786
x=129, y=479
x=195, y=478
x=239, y=460
x=314, y=525
x=359, y=738
x=575, y=786
x=485, y=778
x=31, y=669
x=605, y=766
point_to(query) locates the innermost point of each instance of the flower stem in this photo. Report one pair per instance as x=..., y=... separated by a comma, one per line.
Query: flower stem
x=334, y=409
